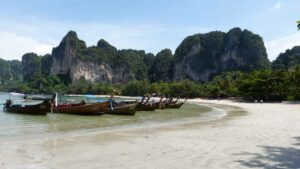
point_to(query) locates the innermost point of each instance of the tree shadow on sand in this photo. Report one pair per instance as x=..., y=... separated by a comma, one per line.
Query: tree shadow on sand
x=274, y=157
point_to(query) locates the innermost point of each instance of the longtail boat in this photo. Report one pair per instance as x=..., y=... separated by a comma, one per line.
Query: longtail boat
x=79, y=108
x=160, y=104
x=145, y=105
x=103, y=106
x=37, y=97
x=121, y=109
x=175, y=105
x=37, y=109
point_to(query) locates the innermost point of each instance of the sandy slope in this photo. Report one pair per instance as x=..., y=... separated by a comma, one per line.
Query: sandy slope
x=268, y=136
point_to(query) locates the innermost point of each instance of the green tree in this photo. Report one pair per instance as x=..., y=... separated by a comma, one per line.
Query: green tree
x=287, y=60
x=135, y=88
x=160, y=88
x=266, y=85
x=100, y=88
x=227, y=83
x=293, y=84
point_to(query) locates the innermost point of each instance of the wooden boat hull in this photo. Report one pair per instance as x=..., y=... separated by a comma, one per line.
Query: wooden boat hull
x=38, y=109
x=83, y=109
x=161, y=106
x=174, y=105
x=146, y=107
x=124, y=109
x=103, y=106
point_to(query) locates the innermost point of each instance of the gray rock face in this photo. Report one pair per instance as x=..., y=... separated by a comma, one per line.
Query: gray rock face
x=202, y=56
x=199, y=58
x=72, y=61
x=65, y=56
x=104, y=73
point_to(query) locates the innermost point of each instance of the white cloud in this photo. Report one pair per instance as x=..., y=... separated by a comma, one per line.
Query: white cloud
x=278, y=5
x=277, y=46
x=13, y=46
x=149, y=37
x=42, y=49
x=40, y=36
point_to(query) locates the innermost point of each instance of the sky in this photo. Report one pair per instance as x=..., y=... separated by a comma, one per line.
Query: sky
x=150, y=25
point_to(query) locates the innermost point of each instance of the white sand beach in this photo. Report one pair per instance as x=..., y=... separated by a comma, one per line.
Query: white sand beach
x=267, y=136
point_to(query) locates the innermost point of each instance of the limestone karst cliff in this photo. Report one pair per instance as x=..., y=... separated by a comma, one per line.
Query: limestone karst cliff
x=288, y=59
x=73, y=61
x=202, y=56
x=199, y=58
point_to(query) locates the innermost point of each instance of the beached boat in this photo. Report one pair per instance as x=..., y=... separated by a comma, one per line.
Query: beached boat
x=103, y=106
x=146, y=105
x=160, y=104
x=151, y=106
x=16, y=94
x=79, y=108
x=37, y=97
x=175, y=105
x=122, y=109
x=37, y=109
x=163, y=103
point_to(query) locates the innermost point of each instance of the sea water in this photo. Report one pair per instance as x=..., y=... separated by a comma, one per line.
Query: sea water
x=12, y=125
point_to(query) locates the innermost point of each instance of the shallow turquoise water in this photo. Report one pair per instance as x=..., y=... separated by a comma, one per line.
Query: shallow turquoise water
x=17, y=124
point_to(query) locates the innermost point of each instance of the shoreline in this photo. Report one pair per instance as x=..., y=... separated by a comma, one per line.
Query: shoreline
x=214, y=114
x=240, y=141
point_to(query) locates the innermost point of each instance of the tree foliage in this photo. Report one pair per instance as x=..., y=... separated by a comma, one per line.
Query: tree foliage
x=287, y=60
x=31, y=64
x=161, y=68
x=10, y=70
x=5, y=73
x=268, y=85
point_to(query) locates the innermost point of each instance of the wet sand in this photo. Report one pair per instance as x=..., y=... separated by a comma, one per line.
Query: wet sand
x=267, y=136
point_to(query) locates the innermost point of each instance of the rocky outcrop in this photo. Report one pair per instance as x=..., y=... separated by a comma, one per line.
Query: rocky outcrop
x=16, y=70
x=10, y=71
x=46, y=64
x=287, y=60
x=31, y=64
x=202, y=56
x=199, y=58
x=104, y=73
x=72, y=61
x=65, y=56
x=162, y=66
